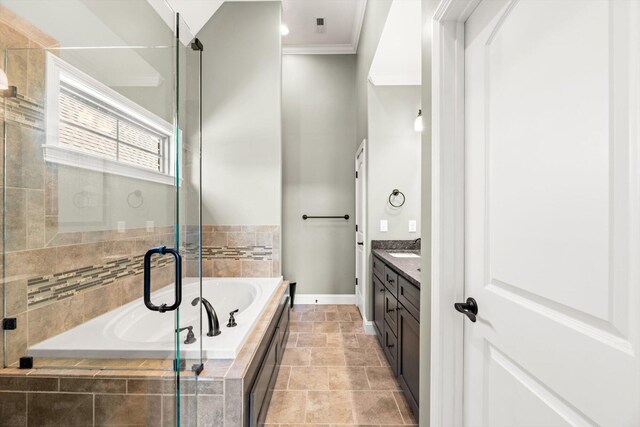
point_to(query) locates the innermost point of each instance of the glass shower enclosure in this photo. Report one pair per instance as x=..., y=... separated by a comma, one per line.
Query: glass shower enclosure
x=101, y=219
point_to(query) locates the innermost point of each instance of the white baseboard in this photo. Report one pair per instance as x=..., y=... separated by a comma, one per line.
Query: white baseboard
x=369, y=329
x=324, y=299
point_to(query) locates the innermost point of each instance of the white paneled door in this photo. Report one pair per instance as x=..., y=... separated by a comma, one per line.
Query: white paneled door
x=552, y=216
x=361, y=236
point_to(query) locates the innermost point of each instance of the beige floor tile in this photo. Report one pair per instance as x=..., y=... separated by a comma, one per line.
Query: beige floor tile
x=326, y=307
x=311, y=340
x=327, y=356
x=381, y=378
x=283, y=378
x=356, y=317
x=302, y=308
x=405, y=410
x=376, y=407
x=348, y=378
x=367, y=341
x=342, y=340
x=287, y=407
x=296, y=357
x=329, y=407
x=361, y=357
x=309, y=378
x=313, y=316
x=348, y=308
x=292, y=340
x=301, y=327
x=338, y=316
x=354, y=327
x=326, y=327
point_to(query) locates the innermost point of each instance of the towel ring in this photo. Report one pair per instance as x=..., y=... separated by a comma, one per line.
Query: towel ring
x=395, y=193
x=135, y=199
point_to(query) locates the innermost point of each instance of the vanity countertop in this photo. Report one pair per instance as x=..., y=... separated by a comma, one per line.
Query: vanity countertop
x=406, y=267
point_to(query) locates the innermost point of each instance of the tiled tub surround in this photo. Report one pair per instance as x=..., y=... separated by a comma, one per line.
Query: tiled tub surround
x=110, y=335
x=53, y=289
x=131, y=392
x=241, y=250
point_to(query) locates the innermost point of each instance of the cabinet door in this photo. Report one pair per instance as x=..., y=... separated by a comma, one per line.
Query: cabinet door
x=390, y=348
x=378, y=306
x=409, y=357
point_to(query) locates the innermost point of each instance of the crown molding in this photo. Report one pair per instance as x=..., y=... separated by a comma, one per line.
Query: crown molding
x=332, y=49
x=319, y=49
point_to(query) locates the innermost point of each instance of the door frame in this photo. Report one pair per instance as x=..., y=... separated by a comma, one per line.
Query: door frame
x=448, y=162
x=365, y=283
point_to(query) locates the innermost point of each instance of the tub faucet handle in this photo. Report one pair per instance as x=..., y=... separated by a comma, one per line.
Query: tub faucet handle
x=191, y=337
x=232, y=319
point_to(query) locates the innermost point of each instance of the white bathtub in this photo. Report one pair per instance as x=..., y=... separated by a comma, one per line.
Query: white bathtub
x=134, y=332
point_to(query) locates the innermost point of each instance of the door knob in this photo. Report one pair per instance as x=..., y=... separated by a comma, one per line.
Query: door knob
x=469, y=308
x=360, y=243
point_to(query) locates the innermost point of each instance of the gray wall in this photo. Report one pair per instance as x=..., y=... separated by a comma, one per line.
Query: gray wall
x=241, y=99
x=374, y=20
x=319, y=112
x=393, y=160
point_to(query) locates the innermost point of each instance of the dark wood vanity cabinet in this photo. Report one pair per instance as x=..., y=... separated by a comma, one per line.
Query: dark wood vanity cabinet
x=396, y=315
x=408, y=370
x=379, y=292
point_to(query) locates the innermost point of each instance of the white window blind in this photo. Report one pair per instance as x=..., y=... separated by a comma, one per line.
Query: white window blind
x=89, y=125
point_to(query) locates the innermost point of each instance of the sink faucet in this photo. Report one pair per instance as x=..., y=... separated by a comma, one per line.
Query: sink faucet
x=417, y=241
x=214, y=325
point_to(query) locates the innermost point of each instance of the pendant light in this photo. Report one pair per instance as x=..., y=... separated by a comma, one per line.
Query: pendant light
x=6, y=91
x=4, y=80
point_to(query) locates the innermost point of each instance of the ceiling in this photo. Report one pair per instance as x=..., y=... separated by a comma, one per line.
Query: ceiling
x=398, y=58
x=343, y=21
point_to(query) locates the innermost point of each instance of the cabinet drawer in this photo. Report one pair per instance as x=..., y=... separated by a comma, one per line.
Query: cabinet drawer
x=391, y=312
x=390, y=349
x=378, y=268
x=409, y=297
x=391, y=281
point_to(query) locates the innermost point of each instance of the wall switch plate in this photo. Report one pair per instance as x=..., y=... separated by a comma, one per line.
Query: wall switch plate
x=413, y=226
x=122, y=227
x=384, y=225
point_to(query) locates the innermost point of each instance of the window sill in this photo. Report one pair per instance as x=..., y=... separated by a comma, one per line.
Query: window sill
x=76, y=158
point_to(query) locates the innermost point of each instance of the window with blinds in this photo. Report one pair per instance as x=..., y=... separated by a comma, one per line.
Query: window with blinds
x=91, y=126
x=95, y=128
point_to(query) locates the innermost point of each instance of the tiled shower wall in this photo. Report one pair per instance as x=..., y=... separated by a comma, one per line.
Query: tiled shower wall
x=57, y=280
x=54, y=280
x=241, y=250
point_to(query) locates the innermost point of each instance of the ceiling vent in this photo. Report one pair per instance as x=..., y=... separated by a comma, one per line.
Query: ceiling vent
x=320, y=28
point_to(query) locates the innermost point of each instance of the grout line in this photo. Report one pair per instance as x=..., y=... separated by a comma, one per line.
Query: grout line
x=398, y=406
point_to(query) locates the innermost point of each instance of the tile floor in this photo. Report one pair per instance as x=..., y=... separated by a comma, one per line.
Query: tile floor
x=334, y=374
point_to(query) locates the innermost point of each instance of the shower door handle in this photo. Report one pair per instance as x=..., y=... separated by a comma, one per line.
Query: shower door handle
x=162, y=250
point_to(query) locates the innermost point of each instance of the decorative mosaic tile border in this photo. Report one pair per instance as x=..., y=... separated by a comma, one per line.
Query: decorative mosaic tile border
x=59, y=286
x=24, y=112
x=257, y=253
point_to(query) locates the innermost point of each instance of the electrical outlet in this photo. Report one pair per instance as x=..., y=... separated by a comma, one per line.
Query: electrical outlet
x=150, y=226
x=413, y=226
x=384, y=225
x=122, y=226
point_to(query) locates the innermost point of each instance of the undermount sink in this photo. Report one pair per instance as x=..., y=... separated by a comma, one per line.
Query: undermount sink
x=404, y=255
